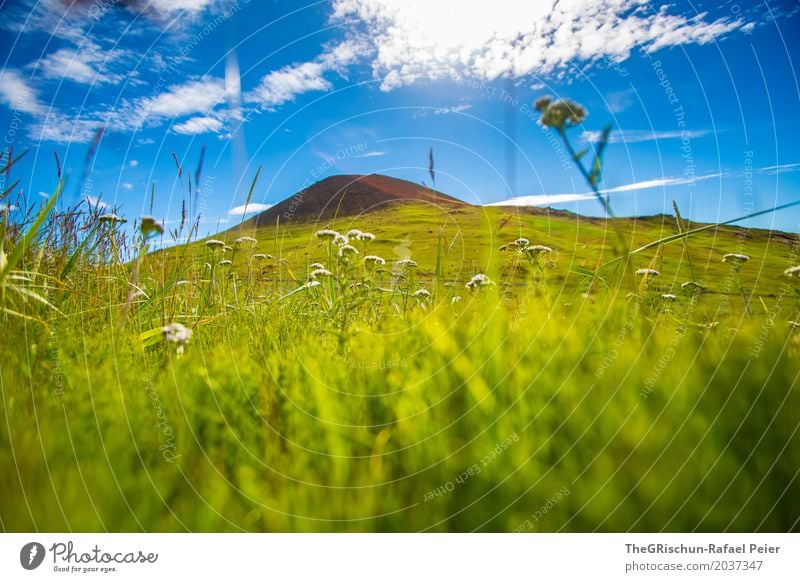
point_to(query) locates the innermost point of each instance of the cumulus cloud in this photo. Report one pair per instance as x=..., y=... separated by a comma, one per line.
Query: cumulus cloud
x=185, y=99
x=197, y=125
x=17, y=93
x=87, y=63
x=507, y=38
x=251, y=208
x=285, y=84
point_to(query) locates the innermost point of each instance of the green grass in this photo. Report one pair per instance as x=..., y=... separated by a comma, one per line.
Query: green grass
x=527, y=405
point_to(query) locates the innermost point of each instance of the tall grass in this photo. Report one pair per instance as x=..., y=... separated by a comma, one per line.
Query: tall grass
x=388, y=395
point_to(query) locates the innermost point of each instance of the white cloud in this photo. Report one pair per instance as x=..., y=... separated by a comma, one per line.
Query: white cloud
x=548, y=199
x=126, y=186
x=285, y=84
x=16, y=93
x=542, y=200
x=62, y=128
x=168, y=6
x=373, y=154
x=133, y=163
x=781, y=169
x=640, y=135
x=197, y=125
x=508, y=38
x=454, y=109
x=252, y=207
x=192, y=97
x=88, y=63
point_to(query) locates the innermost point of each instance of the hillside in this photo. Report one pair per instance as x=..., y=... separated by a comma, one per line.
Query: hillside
x=350, y=195
x=408, y=219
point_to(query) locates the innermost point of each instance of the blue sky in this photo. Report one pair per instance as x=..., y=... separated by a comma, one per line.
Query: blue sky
x=703, y=98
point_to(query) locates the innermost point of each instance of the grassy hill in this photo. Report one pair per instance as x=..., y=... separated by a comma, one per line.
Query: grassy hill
x=555, y=399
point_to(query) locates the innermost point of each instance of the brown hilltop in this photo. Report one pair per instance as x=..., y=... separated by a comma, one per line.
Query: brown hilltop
x=350, y=195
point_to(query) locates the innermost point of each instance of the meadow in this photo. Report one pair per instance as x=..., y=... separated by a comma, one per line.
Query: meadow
x=480, y=369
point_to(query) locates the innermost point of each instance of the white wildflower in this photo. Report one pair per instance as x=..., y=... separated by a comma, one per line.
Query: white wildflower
x=455, y=299
x=522, y=242
x=366, y=236
x=421, y=294
x=245, y=239
x=692, y=287
x=668, y=297
x=354, y=233
x=213, y=243
x=792, y=272
x=374, y=260
x=647, y=273
x=225, y=263
x=313, y=266
x=340, y=240
x=406, y=263
x=319, y=273
x=735, y=258
x=259, y=256
x=111, y=218
x=346, y=250
x=177, y=333
x=310, y=285
x=478, y=280
x=327, y=233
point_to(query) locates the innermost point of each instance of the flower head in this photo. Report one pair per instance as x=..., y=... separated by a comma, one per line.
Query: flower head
x=535, y=251
x=406, y=263
x=421, y=294
x=245, y=239
x=310, y=285
x=327, y=233
x=561, y=114
x=354, y=233
x=111, y=218
x=149, y=226
x=176, y=333
x=522, y=242
x=647, y=273
x=374, y=260
x=261, y=256
x=319, y=273
x=692, y=287
x=367, y=236
x=735, y=258
x=792, y=272
x=213, y=243
x=479, y=280
x=313, y=266
x=346, y=250
x=668, y=297
x=225, y=263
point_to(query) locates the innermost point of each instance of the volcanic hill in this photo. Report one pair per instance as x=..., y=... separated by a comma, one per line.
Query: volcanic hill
x=350, y=195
